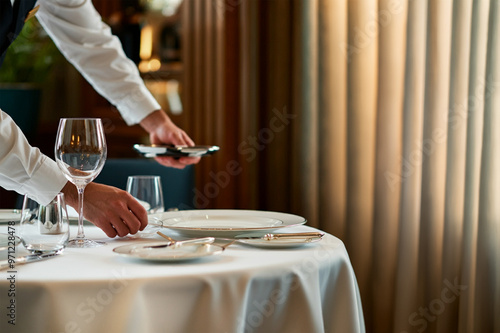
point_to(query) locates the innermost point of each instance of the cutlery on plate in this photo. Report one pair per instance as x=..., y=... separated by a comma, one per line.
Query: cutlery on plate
x=173, y=242
x=300, y=235
x=227, y=244
x=4, y=264
x=166, y=237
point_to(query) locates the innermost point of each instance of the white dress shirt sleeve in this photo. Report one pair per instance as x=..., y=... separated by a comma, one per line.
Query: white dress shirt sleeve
x=78, y=31
x=25, y=169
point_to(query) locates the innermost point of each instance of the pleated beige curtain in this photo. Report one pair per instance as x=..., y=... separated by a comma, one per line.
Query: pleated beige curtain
x=377, y=120
x=399, y=154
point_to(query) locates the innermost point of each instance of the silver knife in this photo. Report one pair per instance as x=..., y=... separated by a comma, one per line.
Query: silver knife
x=289, y=235
x=4, y=264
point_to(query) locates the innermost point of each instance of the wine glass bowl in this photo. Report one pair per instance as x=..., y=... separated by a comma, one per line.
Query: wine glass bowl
x=80, y=153
x=148, y=191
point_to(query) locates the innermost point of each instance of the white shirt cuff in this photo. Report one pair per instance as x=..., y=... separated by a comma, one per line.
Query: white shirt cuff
x=45, y=183
x=135, y=107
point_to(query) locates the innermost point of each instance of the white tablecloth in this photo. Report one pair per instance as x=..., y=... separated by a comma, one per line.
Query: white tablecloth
x=245, y=289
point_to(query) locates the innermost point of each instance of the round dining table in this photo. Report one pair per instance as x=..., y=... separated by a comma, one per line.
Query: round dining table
x=308, y=288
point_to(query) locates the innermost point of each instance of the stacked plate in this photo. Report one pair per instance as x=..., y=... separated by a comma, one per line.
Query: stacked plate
x=174, y=151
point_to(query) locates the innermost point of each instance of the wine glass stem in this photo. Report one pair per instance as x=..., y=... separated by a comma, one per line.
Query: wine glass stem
x=80, y=234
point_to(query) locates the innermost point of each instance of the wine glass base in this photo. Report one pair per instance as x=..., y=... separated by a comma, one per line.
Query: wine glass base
x=84, y=243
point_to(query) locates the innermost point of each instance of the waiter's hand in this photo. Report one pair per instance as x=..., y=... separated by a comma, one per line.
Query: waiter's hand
x=113, y=210
x=163, y=131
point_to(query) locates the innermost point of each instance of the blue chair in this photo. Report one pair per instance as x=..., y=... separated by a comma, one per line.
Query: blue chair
x=177, y=185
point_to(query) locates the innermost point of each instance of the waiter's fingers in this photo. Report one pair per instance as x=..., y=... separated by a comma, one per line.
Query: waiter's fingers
x=137, y=214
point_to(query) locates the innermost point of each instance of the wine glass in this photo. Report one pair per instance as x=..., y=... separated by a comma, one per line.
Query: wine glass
x=80, y=153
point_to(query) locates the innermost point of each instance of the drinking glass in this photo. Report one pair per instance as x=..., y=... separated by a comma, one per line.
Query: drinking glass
x=80, y=152
x=148, y=191
x=44, y=228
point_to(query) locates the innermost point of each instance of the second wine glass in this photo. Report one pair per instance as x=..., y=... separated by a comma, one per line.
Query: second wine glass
x=80, y=152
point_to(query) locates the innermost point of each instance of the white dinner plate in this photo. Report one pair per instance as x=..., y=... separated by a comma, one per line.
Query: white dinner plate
x=7, y=215
x=171, y=253
x=226, y=222
x=5, y=242
x=280, y=242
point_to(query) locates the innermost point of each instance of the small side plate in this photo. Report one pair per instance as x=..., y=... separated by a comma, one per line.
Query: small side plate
x=168, y=254
x=279, y=242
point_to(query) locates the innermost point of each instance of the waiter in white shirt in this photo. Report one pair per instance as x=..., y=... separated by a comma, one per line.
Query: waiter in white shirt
x=79, y=33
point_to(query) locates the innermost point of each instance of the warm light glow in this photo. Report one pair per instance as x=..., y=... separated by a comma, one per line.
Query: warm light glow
x=75, y=140
x=146, y=47
x=149, y=66
x=154, y=65
x=143, y=66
